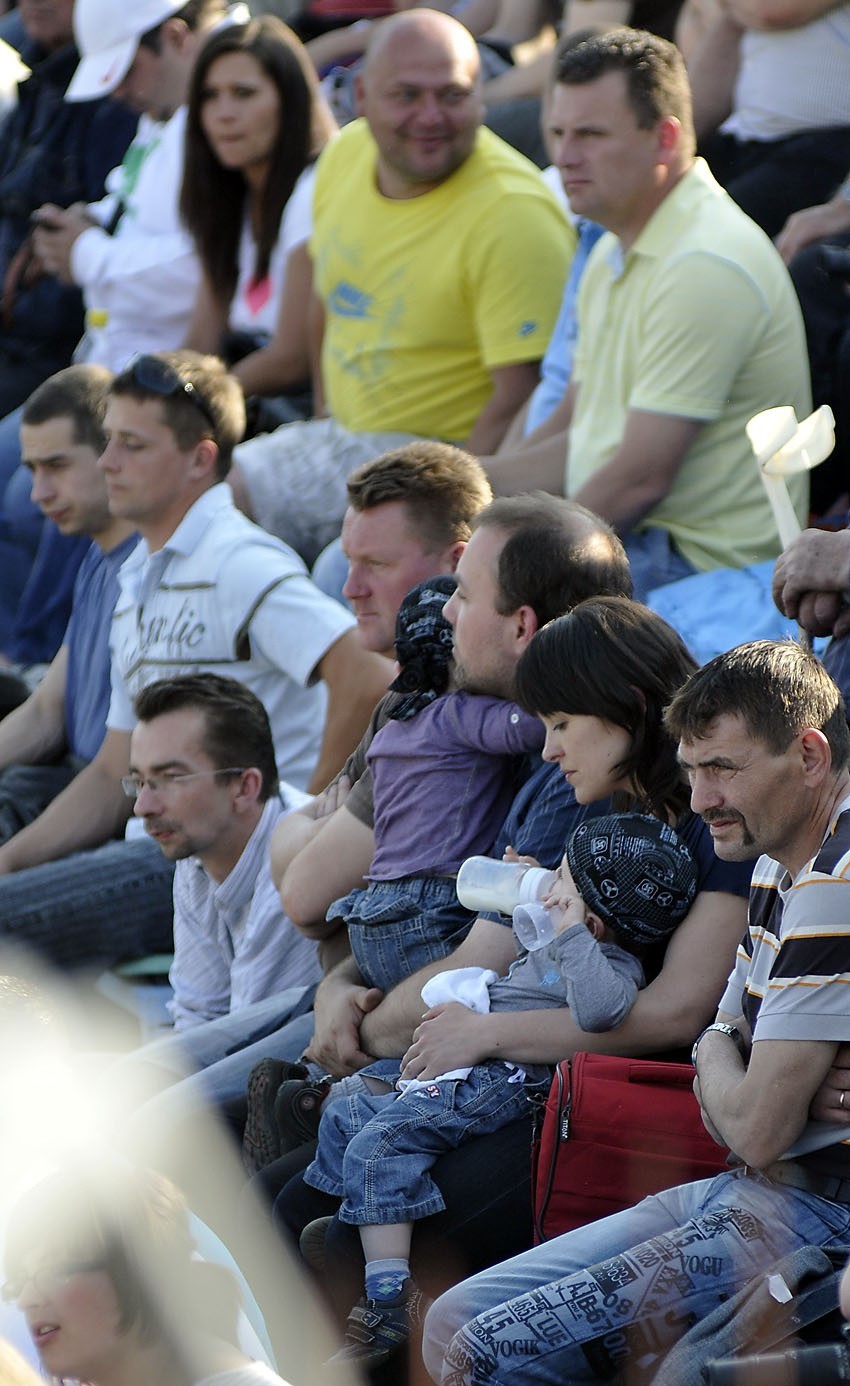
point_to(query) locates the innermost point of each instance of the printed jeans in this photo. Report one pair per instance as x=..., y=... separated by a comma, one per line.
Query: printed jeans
x=576, y=1309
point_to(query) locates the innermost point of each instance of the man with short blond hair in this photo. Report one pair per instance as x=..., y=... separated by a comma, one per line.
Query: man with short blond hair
x=410, y=512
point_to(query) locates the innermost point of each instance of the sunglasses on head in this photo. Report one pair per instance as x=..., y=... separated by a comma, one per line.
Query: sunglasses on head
x=152, y=373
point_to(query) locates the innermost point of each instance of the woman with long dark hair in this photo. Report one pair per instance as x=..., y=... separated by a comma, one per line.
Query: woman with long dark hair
x=600, y=678
x=256, y=124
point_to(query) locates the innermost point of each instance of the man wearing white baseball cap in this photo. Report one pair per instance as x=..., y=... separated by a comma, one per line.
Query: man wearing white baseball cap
x=130, y=254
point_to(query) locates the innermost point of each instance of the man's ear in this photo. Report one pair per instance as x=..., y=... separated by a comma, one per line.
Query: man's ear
x=452, y=554
x=205, y=460
x=250, y=788
x=669, y=135
x=816, y=755
x=526, y=625
x=175, y=33
x=359, y=95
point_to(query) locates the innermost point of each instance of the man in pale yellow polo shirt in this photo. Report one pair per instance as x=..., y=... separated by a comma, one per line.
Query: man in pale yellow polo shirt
x=688, y=325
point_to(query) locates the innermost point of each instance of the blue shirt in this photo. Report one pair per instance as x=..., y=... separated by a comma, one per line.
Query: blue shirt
x=87, y=683
x=557, y=364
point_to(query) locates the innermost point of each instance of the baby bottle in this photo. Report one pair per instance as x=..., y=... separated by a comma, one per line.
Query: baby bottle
x=534, y=925
x=486, y=884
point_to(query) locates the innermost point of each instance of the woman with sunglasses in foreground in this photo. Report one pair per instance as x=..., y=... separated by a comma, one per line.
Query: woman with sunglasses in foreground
x=102, y=1265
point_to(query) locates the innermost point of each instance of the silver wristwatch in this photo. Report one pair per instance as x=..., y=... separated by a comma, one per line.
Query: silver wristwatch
x=731, y=1030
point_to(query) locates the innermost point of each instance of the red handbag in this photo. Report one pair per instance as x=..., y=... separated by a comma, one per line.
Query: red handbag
x=612, y=1131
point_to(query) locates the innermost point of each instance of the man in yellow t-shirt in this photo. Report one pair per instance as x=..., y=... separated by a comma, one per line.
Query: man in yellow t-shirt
x=688, y=325
x=439, y=261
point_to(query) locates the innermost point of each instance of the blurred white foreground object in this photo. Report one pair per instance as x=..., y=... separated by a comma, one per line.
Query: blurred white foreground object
x=783, y=447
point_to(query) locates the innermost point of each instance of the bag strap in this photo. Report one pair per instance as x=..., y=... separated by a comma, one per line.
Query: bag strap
x=557, y=1114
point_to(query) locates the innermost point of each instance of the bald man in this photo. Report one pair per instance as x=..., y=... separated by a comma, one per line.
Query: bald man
x=439, y=259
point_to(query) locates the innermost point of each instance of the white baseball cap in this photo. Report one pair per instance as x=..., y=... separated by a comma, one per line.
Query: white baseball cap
x=107, y=34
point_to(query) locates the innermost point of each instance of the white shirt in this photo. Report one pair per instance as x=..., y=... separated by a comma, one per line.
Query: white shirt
x=793, y=80
x=254, y=307
x=145, y=277
x=223, y=595
x=233, y=944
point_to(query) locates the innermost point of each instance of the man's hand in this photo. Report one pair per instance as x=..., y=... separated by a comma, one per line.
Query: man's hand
x=330, y=799
x=810, y=578
x=54, y=236
x=448, y=1036
x=340, y=1008
x=813, y=224
x=831, y=1102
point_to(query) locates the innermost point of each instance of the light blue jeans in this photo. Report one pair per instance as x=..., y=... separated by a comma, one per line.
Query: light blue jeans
x=576, y=1309
x=653, y=561
x=396, y=927
x=376, y=1151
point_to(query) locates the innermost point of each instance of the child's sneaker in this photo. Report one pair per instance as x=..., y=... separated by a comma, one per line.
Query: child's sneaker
x=378, y=1328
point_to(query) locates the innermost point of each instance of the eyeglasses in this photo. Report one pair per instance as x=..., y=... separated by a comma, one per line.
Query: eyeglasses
x=46, y=1280
x=133, y=785
x=152, y=373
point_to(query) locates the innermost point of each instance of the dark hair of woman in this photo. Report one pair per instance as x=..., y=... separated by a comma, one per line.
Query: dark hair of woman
x=213, y=198
x=615, y=659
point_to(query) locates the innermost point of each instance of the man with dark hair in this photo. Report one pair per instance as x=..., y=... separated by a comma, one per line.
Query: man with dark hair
x=130, y=253
x=688, y=325
x=204, y=781
x=204, y=590
x=765, y=745
x=61, y=726
x=571, y=542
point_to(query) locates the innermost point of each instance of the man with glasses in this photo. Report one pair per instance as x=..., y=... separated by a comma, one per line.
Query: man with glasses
x=204, y=782
x=205, y=590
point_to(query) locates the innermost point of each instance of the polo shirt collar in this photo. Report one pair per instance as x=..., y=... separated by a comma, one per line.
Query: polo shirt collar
x=677, y=208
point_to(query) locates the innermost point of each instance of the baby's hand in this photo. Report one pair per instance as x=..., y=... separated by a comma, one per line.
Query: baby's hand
x=511, y=855
x=564, y=902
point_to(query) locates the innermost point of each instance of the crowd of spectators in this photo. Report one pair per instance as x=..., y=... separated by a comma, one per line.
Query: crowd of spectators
x=368, y=372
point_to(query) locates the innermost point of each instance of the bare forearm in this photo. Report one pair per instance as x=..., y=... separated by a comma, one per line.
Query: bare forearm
x=759, y=1107
x=622, y=501
x=523, y=79
x=91, y=810
x=536, y=466
x=329, y=866
x=289, y=837
x=773, y=15
x=713, y=69
x=31, y=735
x=269, y=371
x=512, y=386
x=547, y=1037
x=353, y=691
